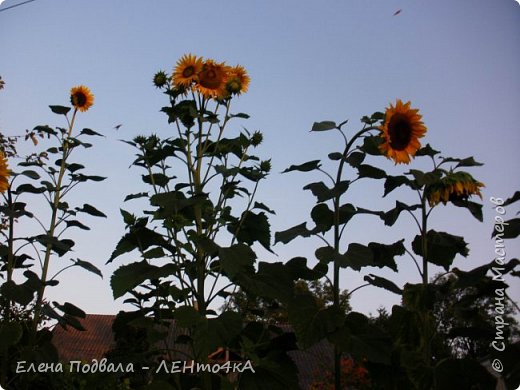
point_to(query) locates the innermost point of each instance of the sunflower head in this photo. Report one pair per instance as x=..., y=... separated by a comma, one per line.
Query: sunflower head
x=187, y=70
x=401, y=131
x=4, y=173
x=452, y=187
x=81, y=98
x=160, y=79
x=238, y=80
x=212, y=79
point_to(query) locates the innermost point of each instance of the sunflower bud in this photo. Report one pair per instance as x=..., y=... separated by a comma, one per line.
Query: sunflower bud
x=265, y=166
x=257, y=138
x=160, y=79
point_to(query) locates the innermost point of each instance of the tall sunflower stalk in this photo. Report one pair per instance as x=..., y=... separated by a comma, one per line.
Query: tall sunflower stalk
x=81, y=99
x=194, y=207
x=394, y=134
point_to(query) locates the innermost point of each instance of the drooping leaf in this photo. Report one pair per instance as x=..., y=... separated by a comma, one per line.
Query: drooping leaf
x=305, y=167
x=511, y=229
x=136, y=196
x=512, y=199
x=90, y=210
x=390, y=217
x=371, y=145
x=355, y=159
x=474, y=208
x=392, y=182
x=379, y=281
x=463, y=162
x=237, y=258
x=90, y=132
x=29, y=188
x=158, y=179
x=69, y=308
x=77, y=224
x=88, y=266
x=441, y=247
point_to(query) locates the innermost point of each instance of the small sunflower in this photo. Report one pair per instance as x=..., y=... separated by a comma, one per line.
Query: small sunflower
x=4, y=173
x=454, y=186
x=81, y=98
x=238, y=80
x=212, y=79
x=401, y=132
x=186, y=71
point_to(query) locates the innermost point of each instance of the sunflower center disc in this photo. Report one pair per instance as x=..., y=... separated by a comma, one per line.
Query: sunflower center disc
x=400, y=132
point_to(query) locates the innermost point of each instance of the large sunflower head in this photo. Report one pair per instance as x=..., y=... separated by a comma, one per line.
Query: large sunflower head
x=81, y=98
x=238, y=80
x=212, y=79
x=187, y=70
x=4, y=173
x=401, y=131
x=455, y=186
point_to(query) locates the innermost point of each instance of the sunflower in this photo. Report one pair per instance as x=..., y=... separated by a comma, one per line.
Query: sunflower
x=238, y=80
x=81, y=98
x=212, y=79
x=4, y=173
x=186, y=71
x=455, y=186
x=401, y=132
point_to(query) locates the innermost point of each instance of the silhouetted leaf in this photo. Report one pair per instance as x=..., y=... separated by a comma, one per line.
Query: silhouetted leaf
x=305, y=167
x=60, y=110
x=288, y=235
x=441, y=248
x=323, y=126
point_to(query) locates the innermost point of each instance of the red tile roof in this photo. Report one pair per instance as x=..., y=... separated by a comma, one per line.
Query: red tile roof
x=93, y=343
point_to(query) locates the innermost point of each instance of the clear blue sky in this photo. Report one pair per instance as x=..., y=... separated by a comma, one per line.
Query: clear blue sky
x=457, y=61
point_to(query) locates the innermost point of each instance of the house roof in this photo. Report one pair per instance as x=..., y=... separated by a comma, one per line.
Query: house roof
x=93, y=343
x=98, y=339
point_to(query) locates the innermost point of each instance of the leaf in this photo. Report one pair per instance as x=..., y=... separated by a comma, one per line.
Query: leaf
x=60, y=110
x=136, y=196
x=335, y=156
x=392, y=182
x=512, y=199
x=70, y=309
x=20, y=293
x=29, y=188
x=298, y=269
x=355, y=159
x=371, y=172
x=474, y=208
x=236, y=259
x=427, y=151
x=31, y=174
x=90, y=132
x=427, y=178
x=371, y=145
x=261, y=206
x=59, y=246
x=187, y=317
x=129, y=276
x=357, y=256
x=77, y=224
x=441, y=247
x=88, y=266
x=509, y=229
x=362, y=340
x=139, y=237
x=465, y=162
x=91, y=210
x=239, y=115
x=310, y=323
x=251, y=228
x=390, y=217
x=158, y=179
x=323, y=126
x=305, y=167
x=288, y=235
x=320, y=191
x=379, y=281
x=323, y=217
